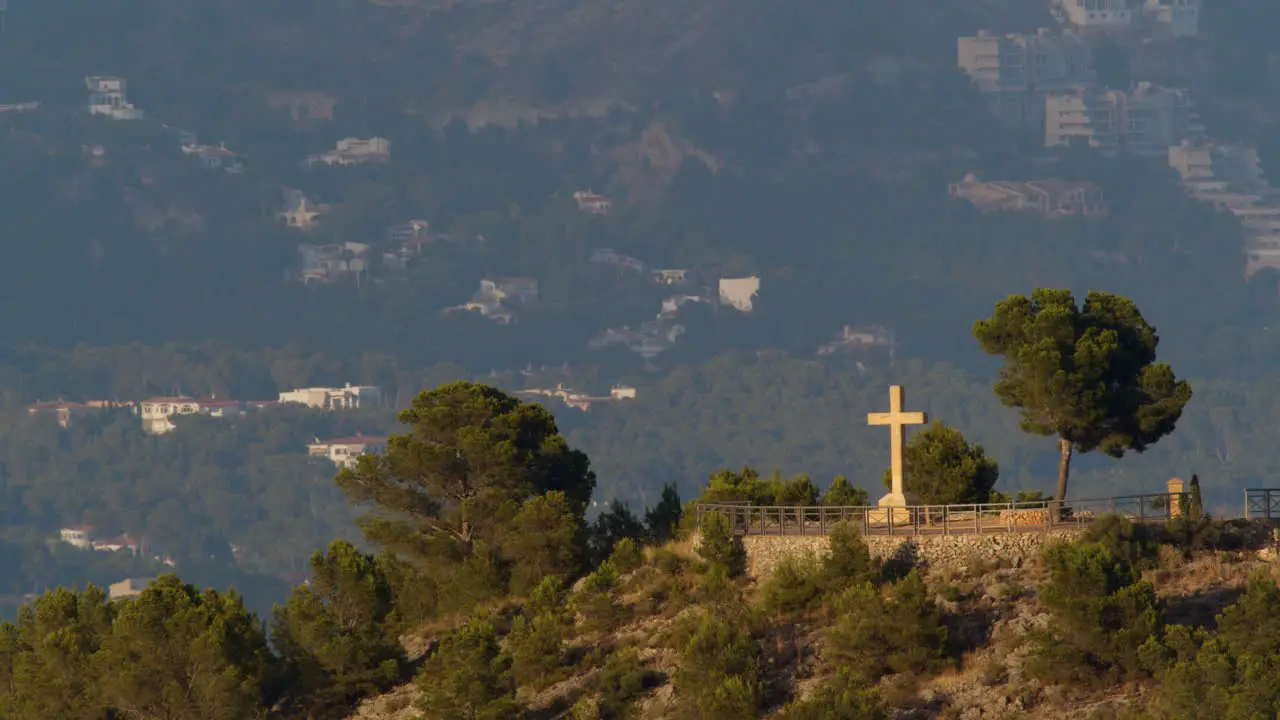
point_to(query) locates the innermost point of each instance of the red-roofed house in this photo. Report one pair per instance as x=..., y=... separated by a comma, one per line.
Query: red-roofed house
x=343, y=451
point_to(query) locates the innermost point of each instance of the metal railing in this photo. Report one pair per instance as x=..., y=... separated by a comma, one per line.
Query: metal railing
x=1010, y=517
x=1261, y=504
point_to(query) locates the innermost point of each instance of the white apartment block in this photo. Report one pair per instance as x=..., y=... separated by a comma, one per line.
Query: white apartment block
x=1147, y=120
x=108, y=96
x=327, y=398
x=1115, y=14
x=1160, y=19
x=1014, y=72
x=1216, y=163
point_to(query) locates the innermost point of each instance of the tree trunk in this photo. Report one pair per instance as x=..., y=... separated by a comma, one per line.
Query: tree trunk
x=1064, y=470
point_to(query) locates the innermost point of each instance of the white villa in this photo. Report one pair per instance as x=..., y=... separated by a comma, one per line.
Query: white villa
x=327, y=398
x=344, y=451
x=354, y=151
x=108, y=96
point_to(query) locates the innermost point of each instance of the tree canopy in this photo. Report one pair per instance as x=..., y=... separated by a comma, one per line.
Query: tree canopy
x=474, y=464
x=942, y=468
x=1086, y=374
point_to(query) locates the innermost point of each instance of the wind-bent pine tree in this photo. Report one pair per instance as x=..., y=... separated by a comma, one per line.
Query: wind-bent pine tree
x=1085, y=374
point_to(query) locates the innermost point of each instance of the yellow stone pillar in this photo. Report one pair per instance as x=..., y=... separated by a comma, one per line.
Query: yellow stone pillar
x=1175, y=497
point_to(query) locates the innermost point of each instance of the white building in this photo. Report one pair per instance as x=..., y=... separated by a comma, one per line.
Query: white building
x=1157, y=19
x=343, y=452
x=739, y=293
x=129, y=587
x=1144, y=121
x=593, y=203
x=1014, y=72
x=326, y=398
x=1235, y=165
x=157, y=413
x=108, y=96
x=354, y=151
x=1094, y=14
x=78, y=536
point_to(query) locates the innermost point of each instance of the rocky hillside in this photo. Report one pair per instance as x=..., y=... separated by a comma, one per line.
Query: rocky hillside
x=994, y=621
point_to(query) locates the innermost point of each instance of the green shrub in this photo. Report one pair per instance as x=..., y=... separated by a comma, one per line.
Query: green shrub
x=1101, y=611
x=595, y=601
x=794, y=586
x=845, y=696
x=627, y=556
x=468, y=677
x=849, y=562
x=622, y=679
x=1135, y=544
x=720, y=546
x=1189, y=534
x=1228, y=673
x=719, y=673
x=668, y=562
x=874, y=637
x=798, y=491
x=547, y=599
x=717, y=590
x=537, y=650
x=842, y=494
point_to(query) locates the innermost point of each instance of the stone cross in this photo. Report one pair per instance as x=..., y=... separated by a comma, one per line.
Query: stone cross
x=897, y=420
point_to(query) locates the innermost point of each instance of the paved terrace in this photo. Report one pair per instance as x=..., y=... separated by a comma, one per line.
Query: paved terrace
x=989, y=518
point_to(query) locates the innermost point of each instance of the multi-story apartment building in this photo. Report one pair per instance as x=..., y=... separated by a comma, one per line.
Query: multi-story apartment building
x=1015, y=72
x=1161, y=19
x=1147, y=120
x=1236, y=165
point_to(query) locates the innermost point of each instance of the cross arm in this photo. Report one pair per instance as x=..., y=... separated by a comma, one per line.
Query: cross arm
x=901, y=418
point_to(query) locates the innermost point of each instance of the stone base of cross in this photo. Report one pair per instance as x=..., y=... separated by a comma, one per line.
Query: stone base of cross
x=897, y=420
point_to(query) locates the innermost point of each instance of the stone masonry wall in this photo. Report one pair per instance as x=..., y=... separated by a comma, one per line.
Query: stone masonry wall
x=764, y=551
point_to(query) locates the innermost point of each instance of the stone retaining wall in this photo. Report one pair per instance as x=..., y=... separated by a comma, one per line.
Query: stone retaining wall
x=764, y=551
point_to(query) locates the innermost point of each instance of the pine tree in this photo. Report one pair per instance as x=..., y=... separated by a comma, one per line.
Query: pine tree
x=468, y=677
x=339, y=636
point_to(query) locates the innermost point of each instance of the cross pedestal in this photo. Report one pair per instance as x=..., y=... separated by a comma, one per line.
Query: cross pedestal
x=897, y=420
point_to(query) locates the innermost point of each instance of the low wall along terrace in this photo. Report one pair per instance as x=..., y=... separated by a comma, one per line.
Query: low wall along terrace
x=764, y=551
